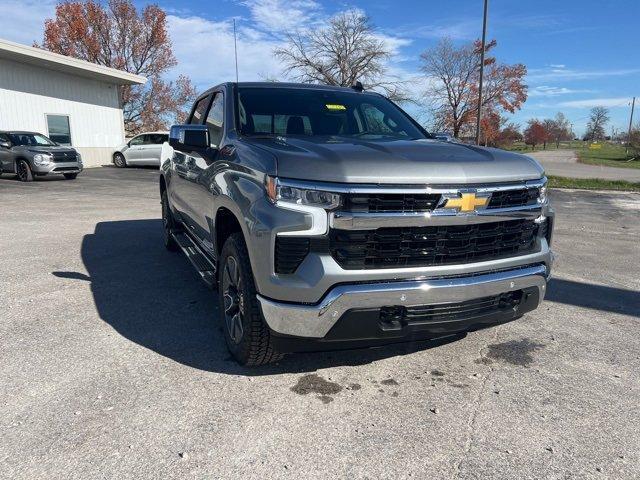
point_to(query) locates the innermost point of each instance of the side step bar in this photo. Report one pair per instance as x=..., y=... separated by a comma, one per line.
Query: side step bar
x=197, y=257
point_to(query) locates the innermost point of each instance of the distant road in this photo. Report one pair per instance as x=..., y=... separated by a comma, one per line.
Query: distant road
x=564, y=163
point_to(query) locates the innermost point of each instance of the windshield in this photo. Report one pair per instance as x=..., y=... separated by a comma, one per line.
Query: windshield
x=31, y=139
x=297, y=111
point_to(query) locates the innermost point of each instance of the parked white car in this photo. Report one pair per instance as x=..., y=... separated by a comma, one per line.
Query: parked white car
x=143, y=149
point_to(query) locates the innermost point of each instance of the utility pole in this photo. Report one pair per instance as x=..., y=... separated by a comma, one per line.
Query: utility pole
x=484, y=37
x=633, y=104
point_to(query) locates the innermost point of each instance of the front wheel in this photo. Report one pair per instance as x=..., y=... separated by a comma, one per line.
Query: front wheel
x=245, y=332
x=119, y=160
x=24, y=171
x=70, y=176
x=168, y=224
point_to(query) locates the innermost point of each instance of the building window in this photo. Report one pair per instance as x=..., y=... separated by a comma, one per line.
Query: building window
x=59, y=129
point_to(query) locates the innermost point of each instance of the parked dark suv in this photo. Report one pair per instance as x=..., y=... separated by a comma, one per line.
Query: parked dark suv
x=31, y=154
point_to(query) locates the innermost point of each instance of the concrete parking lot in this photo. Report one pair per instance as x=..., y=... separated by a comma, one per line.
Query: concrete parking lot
x=113, y=364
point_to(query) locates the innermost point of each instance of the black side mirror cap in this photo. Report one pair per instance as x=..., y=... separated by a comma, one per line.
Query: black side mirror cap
x=189, y=137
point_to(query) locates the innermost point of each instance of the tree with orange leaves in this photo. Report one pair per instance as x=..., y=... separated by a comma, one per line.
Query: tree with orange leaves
x=117, y=35
x=535, y=133
x=452, y=74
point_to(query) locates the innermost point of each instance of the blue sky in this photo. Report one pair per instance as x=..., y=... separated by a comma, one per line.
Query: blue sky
x=579, y=54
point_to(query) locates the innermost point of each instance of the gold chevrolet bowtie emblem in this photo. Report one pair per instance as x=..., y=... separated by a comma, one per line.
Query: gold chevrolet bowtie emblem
x=468, y=202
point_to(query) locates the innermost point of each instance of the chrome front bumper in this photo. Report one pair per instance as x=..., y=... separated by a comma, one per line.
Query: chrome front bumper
x=315, y=321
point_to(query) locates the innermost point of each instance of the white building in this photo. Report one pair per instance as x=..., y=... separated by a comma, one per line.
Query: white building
x=71, y=101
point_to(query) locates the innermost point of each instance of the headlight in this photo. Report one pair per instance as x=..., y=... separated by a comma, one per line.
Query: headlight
x=79, y=158
x=542, y=194
x=42, y=159
x=278, y=191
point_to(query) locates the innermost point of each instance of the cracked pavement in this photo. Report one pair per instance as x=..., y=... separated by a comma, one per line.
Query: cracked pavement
x=113, y=365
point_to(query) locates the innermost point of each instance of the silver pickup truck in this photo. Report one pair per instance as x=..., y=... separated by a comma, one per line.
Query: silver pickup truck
x=328, y=218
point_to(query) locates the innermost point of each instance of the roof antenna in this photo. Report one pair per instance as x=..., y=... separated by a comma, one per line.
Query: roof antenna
x=357, y=87
x=235, y=46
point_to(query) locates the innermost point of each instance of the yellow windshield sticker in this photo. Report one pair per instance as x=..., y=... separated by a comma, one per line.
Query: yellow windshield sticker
x=335, y=106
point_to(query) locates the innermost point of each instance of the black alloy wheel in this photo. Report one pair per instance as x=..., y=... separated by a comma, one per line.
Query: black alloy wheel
x=24, y=171
x=233, y=295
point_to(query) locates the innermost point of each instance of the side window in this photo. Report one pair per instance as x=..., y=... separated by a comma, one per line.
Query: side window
x=215, y=120
x=139, y=140
x=157, y=138
x=59, y=129
x=200, y=111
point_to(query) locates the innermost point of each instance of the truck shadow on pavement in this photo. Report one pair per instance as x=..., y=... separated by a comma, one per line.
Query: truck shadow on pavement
x=596, y=297
x=156, y=299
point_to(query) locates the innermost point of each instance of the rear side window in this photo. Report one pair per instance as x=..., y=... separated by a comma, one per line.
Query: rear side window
x=215, y=120
x=200, y=110
x=157, y=138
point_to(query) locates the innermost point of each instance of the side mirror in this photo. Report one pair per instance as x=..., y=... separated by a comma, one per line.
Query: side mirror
x=189, y=137
x=5, y=144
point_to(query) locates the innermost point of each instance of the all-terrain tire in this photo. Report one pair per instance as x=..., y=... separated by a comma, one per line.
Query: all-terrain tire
x=255, y=346
x=168, y=224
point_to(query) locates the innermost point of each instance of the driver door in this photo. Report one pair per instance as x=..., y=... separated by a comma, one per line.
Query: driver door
x=135, y=152
x=200, y=171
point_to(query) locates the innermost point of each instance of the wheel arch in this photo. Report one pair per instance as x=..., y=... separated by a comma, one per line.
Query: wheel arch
x=226, y=224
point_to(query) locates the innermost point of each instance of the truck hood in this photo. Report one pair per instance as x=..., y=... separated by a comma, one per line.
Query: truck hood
x=391, y=161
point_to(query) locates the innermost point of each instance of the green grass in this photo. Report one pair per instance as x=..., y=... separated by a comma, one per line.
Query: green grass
x=610, y=155
x=593, y=184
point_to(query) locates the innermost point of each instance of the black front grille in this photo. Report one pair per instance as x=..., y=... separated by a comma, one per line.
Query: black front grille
x=290, y=252
x=390, y=202
x=429, y=246
x=60, y=157
x=514, y=198
x=451, y=311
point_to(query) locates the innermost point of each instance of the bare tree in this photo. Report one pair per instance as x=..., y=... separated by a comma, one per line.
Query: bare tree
x=598, y=118
x=344, y=52
x=452, y=76
x=559, y=129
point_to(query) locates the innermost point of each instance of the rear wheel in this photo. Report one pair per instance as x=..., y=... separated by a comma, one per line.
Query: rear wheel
x=70, y=176
x=119, y=160
x=24, y=171
x=247, y=336
x=168, y=224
